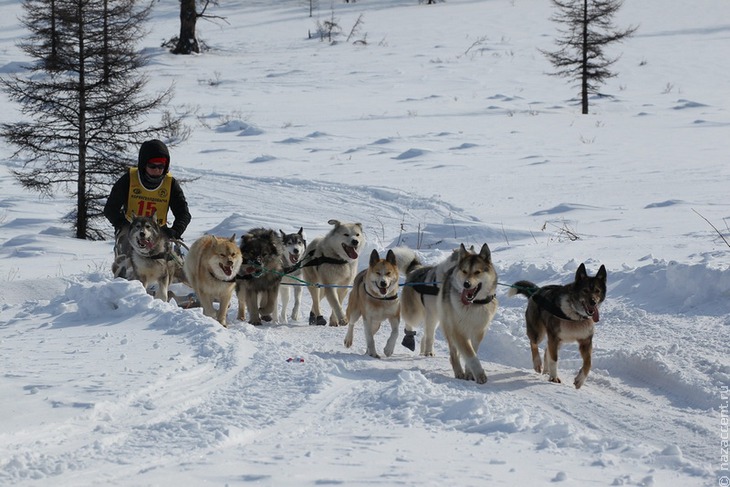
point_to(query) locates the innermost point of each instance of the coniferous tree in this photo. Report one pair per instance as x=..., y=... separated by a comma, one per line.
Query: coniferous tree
x=82, y=102
x=588, y=29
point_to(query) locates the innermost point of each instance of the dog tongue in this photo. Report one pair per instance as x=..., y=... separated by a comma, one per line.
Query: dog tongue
x=595, y=316
x=293, y=258
x=350, y=251
x=383, y=290
x=467, y=296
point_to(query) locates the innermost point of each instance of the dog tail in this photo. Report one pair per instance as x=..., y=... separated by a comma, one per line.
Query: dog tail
x=525, y=288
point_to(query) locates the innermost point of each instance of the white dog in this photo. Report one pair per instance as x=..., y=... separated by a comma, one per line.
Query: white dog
x=330, y=267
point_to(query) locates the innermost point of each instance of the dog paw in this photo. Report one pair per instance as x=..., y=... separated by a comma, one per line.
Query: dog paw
x=481, y=378
x=266, y=318
x=255, y=323
x=579, y=380
x=555, y=380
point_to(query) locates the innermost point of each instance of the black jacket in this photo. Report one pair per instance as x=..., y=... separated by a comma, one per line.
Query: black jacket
x=116, y=204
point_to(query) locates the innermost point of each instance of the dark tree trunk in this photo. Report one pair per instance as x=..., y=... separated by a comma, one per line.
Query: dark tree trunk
x=187, y=43
x=584, y=62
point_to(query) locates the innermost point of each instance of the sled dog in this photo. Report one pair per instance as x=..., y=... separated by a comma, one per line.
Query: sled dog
x=144, y=253
x=331, y=261
x=210, y=268
x=563, y=313
x=257, y=281
x=418, y=302
x=374, y=297
x=406, y=259
x=466, y=305
x=294, y=246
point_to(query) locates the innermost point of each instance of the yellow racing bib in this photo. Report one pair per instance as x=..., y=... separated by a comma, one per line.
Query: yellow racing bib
x=145, y=202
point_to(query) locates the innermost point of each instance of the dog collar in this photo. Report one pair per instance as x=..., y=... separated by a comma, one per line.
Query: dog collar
x=386, y=298
x=486, y=300
x=233, y=279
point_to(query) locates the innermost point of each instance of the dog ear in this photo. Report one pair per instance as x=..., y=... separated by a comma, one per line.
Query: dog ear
x=336, y=223
x=282, y=233
x=581, y=272
x=462, y=251
x=374, y=257
x=233, y=238
x=485, y=253
x=390, y=258
x=602, y=275
x=301, y=232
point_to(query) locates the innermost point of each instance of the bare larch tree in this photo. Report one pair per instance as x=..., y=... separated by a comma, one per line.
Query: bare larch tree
x=587, y=29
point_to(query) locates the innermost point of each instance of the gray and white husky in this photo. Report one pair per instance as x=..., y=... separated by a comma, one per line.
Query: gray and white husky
x=294, y=246
x=144, y=253
x=331, y=264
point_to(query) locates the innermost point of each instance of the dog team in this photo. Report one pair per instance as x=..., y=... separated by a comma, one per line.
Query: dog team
x=459, y=294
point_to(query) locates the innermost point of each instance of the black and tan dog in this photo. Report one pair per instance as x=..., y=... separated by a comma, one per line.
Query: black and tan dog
x=257, y=282
x=564, y=313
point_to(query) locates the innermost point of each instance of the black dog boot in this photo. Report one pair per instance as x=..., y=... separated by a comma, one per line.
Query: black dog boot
x=316, y=320
x=408, y=341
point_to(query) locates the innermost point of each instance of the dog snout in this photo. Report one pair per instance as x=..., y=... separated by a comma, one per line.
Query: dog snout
x=383, y=283
x=354, y=242
x=467, y=284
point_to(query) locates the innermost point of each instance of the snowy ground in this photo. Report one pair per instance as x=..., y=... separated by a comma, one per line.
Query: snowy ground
x=441, y=129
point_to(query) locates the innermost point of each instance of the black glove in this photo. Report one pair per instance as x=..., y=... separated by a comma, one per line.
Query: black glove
x=169, y=232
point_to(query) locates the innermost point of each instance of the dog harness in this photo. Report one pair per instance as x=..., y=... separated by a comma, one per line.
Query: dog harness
x=146, y=202
x=549, y=306
x=322, y=259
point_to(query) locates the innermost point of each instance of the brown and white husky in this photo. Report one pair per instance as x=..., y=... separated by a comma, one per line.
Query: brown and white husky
x=374, y=297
